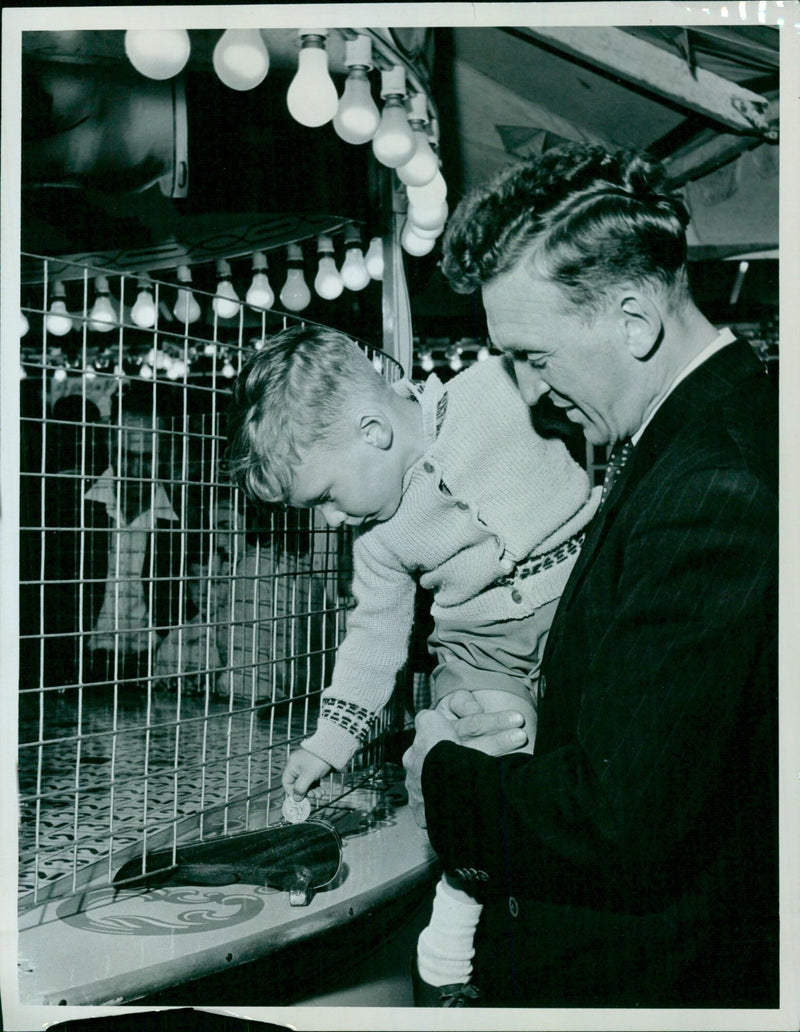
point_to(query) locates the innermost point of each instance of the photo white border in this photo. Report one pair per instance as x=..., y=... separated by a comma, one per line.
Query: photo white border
x=19, y=1017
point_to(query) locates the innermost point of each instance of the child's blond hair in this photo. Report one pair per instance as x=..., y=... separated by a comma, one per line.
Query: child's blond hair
x=290, y=396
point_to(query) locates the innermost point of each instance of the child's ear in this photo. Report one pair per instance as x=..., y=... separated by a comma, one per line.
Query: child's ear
x=376, y=429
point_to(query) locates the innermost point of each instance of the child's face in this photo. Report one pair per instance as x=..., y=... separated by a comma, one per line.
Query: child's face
x=357, y=483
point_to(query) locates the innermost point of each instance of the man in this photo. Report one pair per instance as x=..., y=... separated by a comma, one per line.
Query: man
x=632, y=860
x=112, y=554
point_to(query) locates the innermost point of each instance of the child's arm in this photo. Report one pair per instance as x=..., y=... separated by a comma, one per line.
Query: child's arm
x=302, y=770
x=372, y=651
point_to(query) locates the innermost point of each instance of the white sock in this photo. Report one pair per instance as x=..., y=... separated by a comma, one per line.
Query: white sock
x=444, y=948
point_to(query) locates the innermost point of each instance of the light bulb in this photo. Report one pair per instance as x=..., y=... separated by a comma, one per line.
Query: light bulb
x=455, y=362
x=57, y=321
x=415, y=245
x=327, y=283
x=483, y=353
x=24, y=325
x=240, y=58
x=177, y=370
x=187, y=308
x=145, y=371
x=226, y=300
x=102, y=316
x=143, y=312
x=354, y=269
x=158, y=359
x=357, y=117
x=426, y=361
x=423, y=164
x=158, y=54
x=428, y=196
x=60, y=374
x=312, y=98
x=373, y=259
x=295, y=294
x=260, y=294
x=227, y=370
x=394, y=142
x=430, y=217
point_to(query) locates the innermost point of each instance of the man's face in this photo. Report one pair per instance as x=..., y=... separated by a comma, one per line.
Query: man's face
x=584, y=366
x=356, y=483
x=137, y=461
x=138, y=457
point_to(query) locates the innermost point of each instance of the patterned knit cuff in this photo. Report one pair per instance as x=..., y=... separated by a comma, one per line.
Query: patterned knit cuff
x=342, y=729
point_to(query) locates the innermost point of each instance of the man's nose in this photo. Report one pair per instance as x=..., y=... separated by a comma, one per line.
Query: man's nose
x=530, y=382
x=332, y=516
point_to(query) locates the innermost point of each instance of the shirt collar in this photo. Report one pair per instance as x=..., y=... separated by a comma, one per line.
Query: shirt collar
x=723, y=338
x=104, y=490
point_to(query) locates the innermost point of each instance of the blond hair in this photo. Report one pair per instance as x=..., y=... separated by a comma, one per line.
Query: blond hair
x=289, y=397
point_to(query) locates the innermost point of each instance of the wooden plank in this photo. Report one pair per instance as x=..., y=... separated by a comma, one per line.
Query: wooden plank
x=709, y=151
x=663, y=74
x=703, y=156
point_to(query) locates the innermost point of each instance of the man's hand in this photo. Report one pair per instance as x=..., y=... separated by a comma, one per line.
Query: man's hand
x=495, y=733
x=301, y=771
x=431, y=728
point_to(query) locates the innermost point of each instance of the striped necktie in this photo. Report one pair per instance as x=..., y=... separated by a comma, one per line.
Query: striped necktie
x=620, y=454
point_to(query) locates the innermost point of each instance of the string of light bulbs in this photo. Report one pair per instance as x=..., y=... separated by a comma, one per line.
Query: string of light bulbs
x=399, y=132
x=101, y=312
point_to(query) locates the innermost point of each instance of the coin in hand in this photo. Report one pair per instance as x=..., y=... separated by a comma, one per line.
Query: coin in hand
x=296, y=811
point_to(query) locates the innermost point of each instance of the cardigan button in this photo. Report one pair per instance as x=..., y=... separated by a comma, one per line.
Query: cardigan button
x=516, y=596
x=428, y=467
x=461, y=505
x=513, y=907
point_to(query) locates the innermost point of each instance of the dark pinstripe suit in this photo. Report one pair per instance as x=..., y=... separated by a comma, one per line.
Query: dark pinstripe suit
x=633, y=859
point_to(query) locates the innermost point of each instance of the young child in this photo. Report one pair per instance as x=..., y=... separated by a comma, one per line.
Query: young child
x=449, y=485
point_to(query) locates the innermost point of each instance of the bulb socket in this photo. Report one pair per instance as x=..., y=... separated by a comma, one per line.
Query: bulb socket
x=393, y=81
x=358, y=52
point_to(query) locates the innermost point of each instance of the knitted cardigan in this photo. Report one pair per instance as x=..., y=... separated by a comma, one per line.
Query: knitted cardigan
x=487, y=493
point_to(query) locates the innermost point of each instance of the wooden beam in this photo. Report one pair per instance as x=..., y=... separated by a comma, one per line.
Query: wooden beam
x=657, y=71
x=709, y=151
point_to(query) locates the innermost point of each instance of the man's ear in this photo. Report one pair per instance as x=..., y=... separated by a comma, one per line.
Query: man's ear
x=641, y=323
x=376, y=429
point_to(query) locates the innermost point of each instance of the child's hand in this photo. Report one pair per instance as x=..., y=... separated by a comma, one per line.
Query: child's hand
x=302, y=770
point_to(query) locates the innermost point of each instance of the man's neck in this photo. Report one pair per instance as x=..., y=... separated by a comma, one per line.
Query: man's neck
x=686, y=335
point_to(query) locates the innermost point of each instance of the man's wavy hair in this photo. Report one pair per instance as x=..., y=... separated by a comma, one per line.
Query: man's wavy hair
x=585, y=218
x=288, y=397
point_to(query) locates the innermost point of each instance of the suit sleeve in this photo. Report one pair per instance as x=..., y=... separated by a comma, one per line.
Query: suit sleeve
x=668, y=699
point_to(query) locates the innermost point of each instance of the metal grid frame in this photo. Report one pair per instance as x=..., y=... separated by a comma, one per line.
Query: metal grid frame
x=196, y=747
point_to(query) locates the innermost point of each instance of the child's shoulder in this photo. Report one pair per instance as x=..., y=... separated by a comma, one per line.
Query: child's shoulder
x=488, y=382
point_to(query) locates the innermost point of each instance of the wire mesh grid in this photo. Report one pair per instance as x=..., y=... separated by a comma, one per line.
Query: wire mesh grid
x=174, y=639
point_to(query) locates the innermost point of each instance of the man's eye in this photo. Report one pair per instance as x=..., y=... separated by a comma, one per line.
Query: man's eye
x=528, y=359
